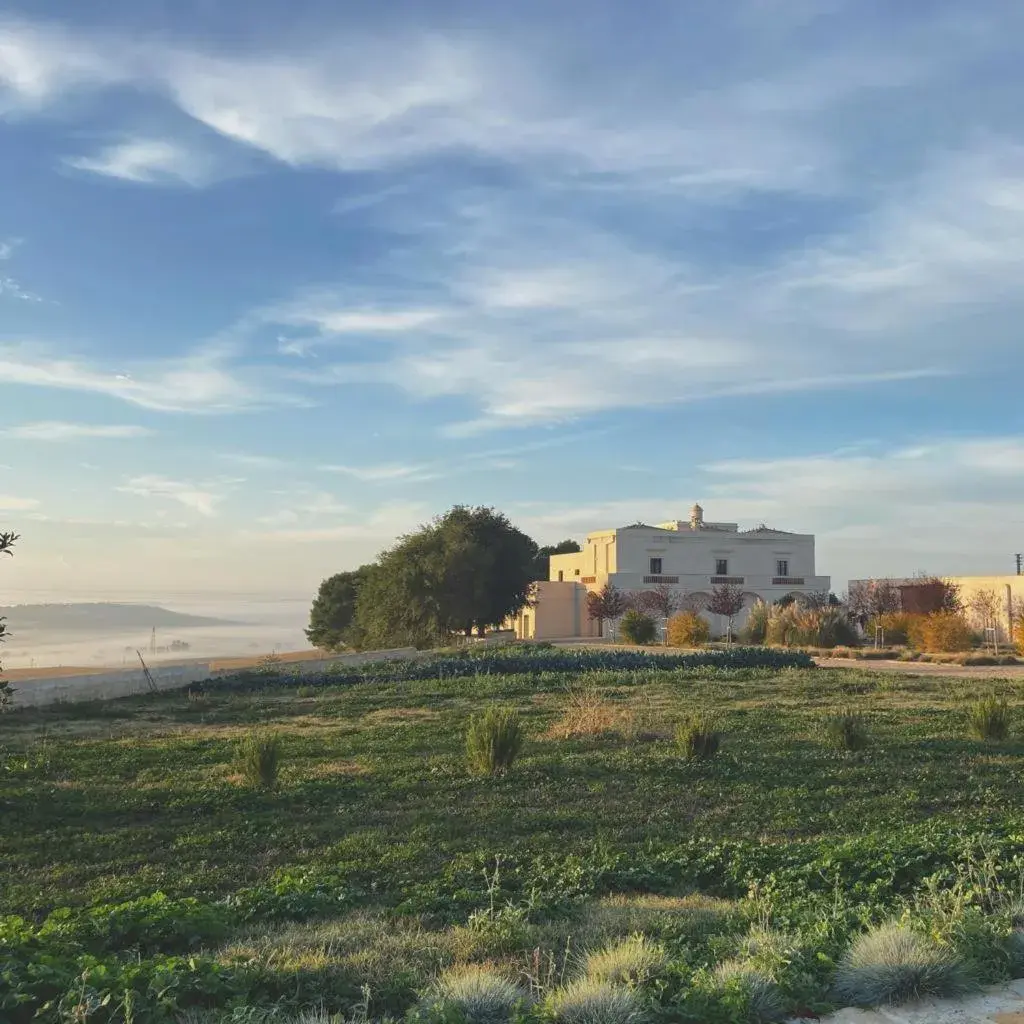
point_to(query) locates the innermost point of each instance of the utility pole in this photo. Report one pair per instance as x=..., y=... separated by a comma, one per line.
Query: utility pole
x=1020, y=559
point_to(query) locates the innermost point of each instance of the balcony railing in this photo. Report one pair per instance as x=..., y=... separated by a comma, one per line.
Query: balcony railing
x=588, y=579
x=731, y=581
x=787, y=581
x=661, y=579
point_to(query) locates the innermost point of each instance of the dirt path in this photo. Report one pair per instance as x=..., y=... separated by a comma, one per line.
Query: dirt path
x=925, y=668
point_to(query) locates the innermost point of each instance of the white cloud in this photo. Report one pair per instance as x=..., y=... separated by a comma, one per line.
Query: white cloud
x=198, y=497
x=7, y=247
x=150, y=161
x=54, y=430
x=9, y=503
x=387, y=472
x=201, y=382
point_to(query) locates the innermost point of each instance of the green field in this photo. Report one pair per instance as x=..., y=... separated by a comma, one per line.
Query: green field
x=142, y=867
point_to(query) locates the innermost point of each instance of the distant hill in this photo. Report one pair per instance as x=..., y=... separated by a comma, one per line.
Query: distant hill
x=106, y=617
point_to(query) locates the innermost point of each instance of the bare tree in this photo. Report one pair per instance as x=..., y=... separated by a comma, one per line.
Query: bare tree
x=984, y=608
x=606, y=603
x=867, y=599
x=727, y=601
x=663, y=601
x=7, y=542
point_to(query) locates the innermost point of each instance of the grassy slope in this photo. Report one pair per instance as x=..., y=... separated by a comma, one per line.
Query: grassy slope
x=110, y=802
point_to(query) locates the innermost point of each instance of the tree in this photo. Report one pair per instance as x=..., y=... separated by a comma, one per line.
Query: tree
x=868, y=599
x=468, y=569
x=984, y=607
x=332, y=616
x=929, y=594
x=606, y=603
x=7, y=542
x=726, y=600
x=542, y=563
x=662, y=600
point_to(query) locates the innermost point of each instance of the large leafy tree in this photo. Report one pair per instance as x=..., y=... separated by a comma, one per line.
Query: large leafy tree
x=332, y=617
x=542, y=563
x=7, y=541
x=468, y=569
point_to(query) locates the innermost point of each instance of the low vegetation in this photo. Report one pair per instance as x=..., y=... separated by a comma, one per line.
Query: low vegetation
x=847, y=730
x=990, y=719
x=589, y=876
x=687, y=629
x=493, y=741
x=635, y=627
x=697, y=736
x=259, y=758
x=894, y=964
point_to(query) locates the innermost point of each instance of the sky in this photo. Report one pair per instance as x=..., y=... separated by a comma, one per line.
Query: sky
x=280, y=282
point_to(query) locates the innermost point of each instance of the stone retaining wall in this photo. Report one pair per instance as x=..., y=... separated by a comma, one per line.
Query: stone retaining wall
x=130, y=682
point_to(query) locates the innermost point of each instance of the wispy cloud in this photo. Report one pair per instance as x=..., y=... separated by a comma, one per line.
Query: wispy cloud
x=9, y=503
x=198, y=497
x=55, y=430
x=151, y=161
x=387, y=472
x=205, y=381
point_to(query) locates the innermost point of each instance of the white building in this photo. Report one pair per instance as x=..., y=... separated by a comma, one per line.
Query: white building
x=692, y=557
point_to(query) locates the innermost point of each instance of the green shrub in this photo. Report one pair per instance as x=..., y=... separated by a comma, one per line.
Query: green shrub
x=306, y=691
x=989, y=719
x=637, y=628
x=259, y=758
x=893, y=964
x=847, y=730
x=629, y=962
x=687, y=629
x=758, y=996
x=594, y=1002
x=755, y=630
x=476, y=994
x=493, y=741
x=697, y=736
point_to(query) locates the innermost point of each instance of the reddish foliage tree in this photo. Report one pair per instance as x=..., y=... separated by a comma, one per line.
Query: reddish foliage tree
x=664, y=600
x=606, y=603
x=727, y=601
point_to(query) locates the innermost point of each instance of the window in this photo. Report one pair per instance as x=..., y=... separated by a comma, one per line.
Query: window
x=655, y=566
x=561, y=576
x=575, y=572
x=782, y=567
x=721, y=566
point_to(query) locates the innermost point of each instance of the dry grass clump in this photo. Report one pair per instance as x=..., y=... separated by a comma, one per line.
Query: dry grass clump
x=588, y=712
x=631, y=961
x=762, y=998
x=594, y=1002
x=477, y=995
x=893, y=964
x=989, y=719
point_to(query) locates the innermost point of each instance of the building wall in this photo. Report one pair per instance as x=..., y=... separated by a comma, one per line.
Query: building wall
x=689, y=559
x=1009, y=594
x=560, y=611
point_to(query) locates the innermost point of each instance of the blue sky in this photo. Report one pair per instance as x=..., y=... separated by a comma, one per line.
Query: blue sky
x=276, y=289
